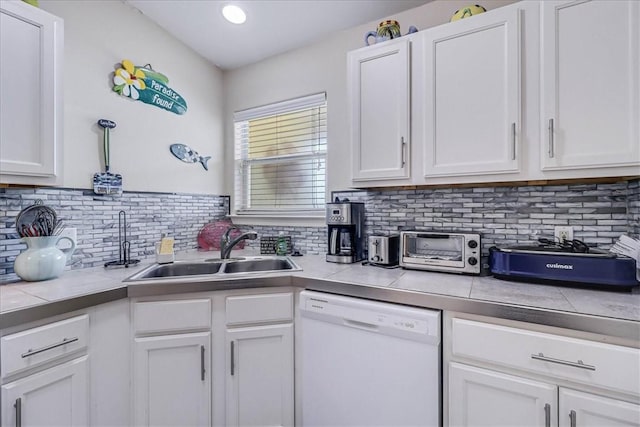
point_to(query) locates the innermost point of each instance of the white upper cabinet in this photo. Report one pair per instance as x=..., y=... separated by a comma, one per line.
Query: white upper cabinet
x=31, y=58
x=472, y=95
x=379, y=78
x=590, y=84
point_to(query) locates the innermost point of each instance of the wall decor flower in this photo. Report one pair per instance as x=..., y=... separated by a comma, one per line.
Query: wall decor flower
x=142, y=83
x=128, y=80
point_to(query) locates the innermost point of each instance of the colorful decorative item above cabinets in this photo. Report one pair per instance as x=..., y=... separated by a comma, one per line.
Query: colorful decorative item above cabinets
x=142, y=83
x=467, y=11
x=387, y=30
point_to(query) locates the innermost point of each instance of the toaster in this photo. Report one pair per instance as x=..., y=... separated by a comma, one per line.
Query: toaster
x=384, y=250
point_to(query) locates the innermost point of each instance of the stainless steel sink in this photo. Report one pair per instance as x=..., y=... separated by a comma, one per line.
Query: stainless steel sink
x=251, y=265
x=179, y=269
x=216, y=268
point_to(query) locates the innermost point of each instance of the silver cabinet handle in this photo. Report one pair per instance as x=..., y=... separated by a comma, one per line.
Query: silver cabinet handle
x=547, y=415
x=18, y=406
x=233, y=363
x=202, y=370
x=551, y=151
x=572, y=418
x=64, y=341
x=579, y=364
x=404, y=149
x=513, y=141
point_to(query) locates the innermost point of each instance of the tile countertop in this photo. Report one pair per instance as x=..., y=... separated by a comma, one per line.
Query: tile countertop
x=82, y=288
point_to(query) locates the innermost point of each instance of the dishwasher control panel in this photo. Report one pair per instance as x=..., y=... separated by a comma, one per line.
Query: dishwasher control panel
x=381, y=317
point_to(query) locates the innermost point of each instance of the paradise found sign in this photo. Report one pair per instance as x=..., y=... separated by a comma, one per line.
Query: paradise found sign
x=146, y=85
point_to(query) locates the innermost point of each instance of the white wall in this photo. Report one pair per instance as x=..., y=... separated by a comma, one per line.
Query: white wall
x=98, y=35
x=316, y=68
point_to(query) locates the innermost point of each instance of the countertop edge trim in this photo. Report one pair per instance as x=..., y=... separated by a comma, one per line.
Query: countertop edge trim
x=619, y=328
x=54, y=308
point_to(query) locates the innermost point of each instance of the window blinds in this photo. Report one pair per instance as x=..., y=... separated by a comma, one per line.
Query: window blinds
x=280, y=157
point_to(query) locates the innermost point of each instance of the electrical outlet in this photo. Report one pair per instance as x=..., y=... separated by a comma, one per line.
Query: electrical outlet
x=563, y=233
x=71, y=233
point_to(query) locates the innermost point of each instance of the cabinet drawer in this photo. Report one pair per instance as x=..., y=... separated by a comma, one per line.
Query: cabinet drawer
x=604, y=365
x=33, y=347
x=259, y=308
x=172, y=316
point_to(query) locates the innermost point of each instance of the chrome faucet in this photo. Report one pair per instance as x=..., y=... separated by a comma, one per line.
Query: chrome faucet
x=226, y=245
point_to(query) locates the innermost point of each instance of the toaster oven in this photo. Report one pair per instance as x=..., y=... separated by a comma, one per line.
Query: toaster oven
x=437, y=251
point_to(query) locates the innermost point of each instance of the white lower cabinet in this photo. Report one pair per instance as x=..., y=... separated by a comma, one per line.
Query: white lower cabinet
x=481, y=397
x=57, y=396
x=502, y=375
x=172, y=362
x=217, y=358
x=259, y=386
x=172, y=384
x=45, y=373
x=259, y=379
x=584, y=409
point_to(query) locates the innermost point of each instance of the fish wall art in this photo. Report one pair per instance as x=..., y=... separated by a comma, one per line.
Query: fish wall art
x=189, y=155
x=142, y=83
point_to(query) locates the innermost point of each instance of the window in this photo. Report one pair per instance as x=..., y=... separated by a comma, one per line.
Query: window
x=280, y=158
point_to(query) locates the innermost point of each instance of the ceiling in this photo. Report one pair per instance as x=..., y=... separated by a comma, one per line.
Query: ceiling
x=272, y=27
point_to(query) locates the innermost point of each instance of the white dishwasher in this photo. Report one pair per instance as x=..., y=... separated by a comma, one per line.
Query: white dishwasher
x=367, y=363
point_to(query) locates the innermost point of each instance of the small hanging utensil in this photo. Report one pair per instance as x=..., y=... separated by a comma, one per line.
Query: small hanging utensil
x=107, y=183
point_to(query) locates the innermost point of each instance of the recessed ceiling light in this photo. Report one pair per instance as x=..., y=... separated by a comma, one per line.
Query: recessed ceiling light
x=234, y=14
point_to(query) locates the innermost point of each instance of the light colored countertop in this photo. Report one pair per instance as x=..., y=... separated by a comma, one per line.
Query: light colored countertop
x=23, y=301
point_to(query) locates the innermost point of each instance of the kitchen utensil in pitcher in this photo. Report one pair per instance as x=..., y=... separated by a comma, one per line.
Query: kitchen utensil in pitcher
x=107, y=183
x=36, y=220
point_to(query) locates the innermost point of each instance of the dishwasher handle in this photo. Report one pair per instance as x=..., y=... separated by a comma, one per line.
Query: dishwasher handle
x=360, y=325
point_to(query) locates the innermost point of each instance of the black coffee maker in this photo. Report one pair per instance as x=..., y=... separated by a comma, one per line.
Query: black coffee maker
x=345, y=222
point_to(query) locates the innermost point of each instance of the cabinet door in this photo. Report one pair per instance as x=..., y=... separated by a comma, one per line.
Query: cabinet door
x=57, y=396
x=578, y=409
x=590, y=84
x=472, y=122
x=172, y=385
x=480, y=397
x=379, y=95
x=31, y=54
x=259, y=387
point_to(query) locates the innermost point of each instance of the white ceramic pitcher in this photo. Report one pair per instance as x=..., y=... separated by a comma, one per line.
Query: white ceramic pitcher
x=42, y=260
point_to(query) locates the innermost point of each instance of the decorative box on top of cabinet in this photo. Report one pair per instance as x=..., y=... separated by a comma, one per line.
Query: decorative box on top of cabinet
x=590, y=85
x=31, y=62
x=379, y=95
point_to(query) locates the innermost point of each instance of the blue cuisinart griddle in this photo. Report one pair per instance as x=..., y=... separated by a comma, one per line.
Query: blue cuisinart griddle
x=571, y=263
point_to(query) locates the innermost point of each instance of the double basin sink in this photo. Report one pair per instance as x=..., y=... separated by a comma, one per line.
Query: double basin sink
x=216, y=267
